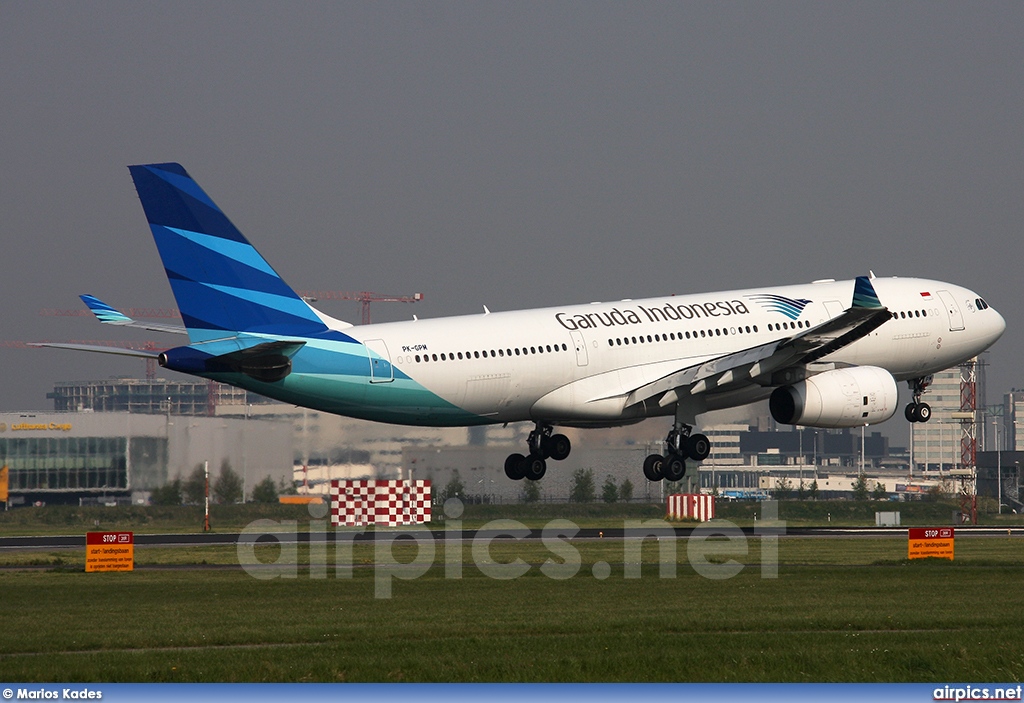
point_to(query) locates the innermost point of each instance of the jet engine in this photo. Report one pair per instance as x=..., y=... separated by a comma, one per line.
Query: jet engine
x=851, y=397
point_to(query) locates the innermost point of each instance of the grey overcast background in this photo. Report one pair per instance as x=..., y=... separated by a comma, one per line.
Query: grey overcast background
x=512, y=154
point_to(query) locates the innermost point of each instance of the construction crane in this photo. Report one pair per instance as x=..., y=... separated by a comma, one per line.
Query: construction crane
x=130, y=312
x=363, y=297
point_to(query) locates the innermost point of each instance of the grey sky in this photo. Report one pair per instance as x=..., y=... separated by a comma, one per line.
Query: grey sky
x=509, y=154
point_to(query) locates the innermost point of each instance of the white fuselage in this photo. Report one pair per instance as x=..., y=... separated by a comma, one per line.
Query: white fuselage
x=577, y=364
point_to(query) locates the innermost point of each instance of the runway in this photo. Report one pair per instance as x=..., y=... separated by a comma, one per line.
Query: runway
x=44, y=542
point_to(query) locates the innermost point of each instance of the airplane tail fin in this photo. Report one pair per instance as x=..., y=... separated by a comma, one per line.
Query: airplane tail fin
x=221, y=283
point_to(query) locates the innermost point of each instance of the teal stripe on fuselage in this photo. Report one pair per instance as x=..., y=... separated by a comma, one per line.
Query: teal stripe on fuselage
x=335, y=377
x=400, y=402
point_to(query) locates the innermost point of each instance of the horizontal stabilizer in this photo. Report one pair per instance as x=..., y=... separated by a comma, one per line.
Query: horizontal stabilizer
x=141, y=353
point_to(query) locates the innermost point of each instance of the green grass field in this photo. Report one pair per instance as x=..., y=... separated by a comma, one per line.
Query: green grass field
x=66, y=520
x=838, y=610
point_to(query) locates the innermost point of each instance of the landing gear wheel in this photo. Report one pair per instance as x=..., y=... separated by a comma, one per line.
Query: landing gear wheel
x=534, y=467
x=674, y=468
x=698, y=447
x=515, y=466
x=924, y=412
x=652, y=467
x=558, y=447
x=682, y=444
x=918, y=412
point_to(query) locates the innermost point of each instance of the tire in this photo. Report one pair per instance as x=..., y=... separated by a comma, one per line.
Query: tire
x=674, y=468
x=924, y=412
x=534, y=467
x=559, y=447
x=910, y=412
x=698, y=447
x=515, y=467
x=652, y=467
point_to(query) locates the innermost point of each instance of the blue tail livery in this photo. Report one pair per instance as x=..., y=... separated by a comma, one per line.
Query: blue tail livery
x=222, y=284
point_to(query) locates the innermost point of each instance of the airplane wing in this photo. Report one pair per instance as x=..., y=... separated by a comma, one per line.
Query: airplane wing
x=762, y=363
x=111, y=316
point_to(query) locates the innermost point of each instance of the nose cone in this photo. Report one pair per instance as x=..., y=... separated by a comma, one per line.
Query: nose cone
x=997, y=325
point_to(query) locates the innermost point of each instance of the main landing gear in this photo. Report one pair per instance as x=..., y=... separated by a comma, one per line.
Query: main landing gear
x=543, y=446
x=916, y=411
x=680, y=445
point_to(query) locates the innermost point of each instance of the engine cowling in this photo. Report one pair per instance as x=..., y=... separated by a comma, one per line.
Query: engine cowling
x=861, y=395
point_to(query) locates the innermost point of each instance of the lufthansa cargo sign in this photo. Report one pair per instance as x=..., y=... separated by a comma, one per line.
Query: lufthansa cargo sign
x=40, y=426
x=924, y=542
x=109, y=551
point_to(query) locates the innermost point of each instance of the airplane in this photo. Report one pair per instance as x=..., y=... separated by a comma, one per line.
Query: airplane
x=826, y=354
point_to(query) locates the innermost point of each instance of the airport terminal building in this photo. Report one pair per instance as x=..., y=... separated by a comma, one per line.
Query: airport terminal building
x=120, y=456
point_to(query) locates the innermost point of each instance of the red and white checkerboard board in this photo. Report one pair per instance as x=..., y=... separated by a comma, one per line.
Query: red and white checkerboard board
x=388, y=503
x=691, y=506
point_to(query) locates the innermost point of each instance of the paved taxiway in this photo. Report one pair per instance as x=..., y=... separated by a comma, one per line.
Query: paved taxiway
x=231, y=538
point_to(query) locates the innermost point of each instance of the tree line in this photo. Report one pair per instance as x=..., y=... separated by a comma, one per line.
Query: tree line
x=226, y=489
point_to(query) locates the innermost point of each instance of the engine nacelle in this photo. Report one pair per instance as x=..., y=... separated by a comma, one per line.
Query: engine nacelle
x=861, y=395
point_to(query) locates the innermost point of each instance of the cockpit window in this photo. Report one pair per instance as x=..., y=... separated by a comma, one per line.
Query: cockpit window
x=982, y=305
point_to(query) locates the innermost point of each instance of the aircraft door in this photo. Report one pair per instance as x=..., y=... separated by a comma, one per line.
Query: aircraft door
x=956, y=318
x=581, y=348
x=381, y=370
x=834, y=309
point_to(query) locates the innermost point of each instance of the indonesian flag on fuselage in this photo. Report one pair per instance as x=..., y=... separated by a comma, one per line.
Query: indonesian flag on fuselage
x=926, y=295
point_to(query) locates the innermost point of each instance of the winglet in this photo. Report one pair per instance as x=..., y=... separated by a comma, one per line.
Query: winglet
x=111, y=316
x=864, y=295
x=104, y=313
